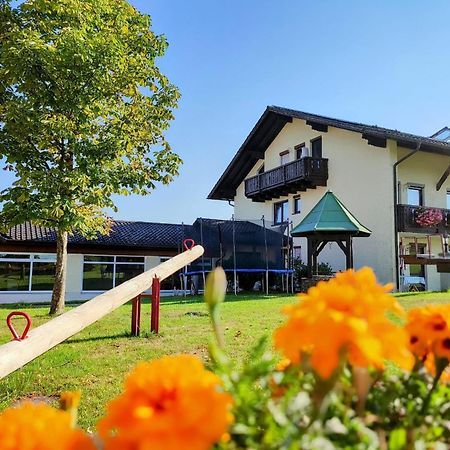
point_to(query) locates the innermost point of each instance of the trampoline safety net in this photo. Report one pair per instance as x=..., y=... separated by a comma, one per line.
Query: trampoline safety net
x=241, y=246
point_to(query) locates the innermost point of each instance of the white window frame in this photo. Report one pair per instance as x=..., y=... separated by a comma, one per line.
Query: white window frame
x=30, y=260
x=285, y=204
x=114, y=262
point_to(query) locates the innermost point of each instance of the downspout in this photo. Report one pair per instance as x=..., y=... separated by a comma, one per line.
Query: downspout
x=396, y=164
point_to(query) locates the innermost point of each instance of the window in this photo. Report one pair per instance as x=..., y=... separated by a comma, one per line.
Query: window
x=297, y=252
x=297, y=204
x=299, y=150
x=101, y=273
x=415, y=195
x=172, y=282
x=22, y=273
x=280, y=212
x=128, y=268
x=316, y=147
x=448, y=199
x=284, y=157
x=43, y=272
x=417, y=270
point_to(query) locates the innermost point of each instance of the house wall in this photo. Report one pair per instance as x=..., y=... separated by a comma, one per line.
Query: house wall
x=360, y=175
x=425, y=169
x=74, y=284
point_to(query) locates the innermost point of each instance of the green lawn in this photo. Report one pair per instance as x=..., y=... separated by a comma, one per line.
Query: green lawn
x=97, y=359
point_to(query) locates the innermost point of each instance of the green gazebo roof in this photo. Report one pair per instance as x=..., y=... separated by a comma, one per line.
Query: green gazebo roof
x=330, y=216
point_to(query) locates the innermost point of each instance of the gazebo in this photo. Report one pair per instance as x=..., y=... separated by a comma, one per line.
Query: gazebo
x=329, y=221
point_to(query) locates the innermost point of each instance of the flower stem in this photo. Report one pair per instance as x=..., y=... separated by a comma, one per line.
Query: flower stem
x=441, y=364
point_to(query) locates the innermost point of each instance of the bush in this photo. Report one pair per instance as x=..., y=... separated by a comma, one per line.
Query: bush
x=301, y=269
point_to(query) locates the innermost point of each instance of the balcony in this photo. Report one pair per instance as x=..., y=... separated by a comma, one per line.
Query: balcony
x=300, y=175
x=422, y=219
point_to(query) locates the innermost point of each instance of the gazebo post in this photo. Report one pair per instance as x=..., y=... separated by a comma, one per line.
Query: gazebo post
x=350, y=252
x=315, y=269
x=310, y=257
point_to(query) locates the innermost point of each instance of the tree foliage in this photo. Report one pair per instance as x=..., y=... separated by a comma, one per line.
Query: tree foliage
x=82, y=102
x=83, y=111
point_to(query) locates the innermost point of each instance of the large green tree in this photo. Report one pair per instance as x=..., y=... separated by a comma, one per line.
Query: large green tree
x=83, y=111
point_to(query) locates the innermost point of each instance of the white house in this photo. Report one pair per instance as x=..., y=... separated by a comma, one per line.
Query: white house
x=395, y=183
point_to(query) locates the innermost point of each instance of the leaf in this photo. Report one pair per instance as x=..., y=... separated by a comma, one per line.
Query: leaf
x=397, y=439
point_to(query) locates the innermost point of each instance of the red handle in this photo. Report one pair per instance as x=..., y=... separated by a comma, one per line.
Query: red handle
x=188, y=244
x=11, y=326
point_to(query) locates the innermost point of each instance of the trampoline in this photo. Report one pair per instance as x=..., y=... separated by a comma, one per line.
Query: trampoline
x=242, y=247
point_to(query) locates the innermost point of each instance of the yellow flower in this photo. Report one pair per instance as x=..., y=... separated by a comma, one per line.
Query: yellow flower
x=283, y=364
x=168, y=404
x=40, y=427
x=429, y=334
x=344, y=317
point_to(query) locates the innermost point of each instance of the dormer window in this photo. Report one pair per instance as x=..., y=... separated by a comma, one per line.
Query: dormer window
x=442, y=135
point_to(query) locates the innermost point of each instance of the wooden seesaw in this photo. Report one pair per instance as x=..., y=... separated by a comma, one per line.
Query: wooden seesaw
x=17, y=353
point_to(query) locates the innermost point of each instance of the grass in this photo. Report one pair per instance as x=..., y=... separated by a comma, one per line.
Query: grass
x=96, y=360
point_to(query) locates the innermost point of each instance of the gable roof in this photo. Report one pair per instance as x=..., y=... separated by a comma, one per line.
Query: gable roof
x=275, y=118
x=330, y=216
x=122, y=234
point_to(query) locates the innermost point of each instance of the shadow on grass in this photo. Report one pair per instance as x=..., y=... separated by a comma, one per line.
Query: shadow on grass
x=179, y=300
x=98, y=338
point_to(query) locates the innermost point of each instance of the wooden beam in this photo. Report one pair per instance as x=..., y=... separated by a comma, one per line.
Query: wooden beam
x=443, y=179
x=256, y=153
x=375, y=140
x=16, y=354
x=317, y=126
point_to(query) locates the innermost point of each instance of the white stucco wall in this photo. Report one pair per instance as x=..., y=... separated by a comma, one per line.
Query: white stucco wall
x=424, y=169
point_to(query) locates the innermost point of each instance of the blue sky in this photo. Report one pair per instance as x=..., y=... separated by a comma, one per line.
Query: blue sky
x=382, y=62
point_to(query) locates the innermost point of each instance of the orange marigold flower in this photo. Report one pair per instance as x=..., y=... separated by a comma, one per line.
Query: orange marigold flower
x=168, y=404
x=69, y=400
x=429, y=333
x=40, y=427
x=345, y=316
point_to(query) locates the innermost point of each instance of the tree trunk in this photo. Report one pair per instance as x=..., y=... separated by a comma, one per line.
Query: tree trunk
x=59, y=288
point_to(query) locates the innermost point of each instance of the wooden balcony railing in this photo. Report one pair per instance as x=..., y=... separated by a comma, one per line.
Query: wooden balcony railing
x=302, y=174
x=413, y=219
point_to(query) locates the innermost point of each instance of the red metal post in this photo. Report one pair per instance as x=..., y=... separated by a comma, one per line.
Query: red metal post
x=136, y=316
x=156, y=295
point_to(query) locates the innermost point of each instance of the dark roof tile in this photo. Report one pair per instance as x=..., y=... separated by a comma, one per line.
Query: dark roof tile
x=123, y=233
